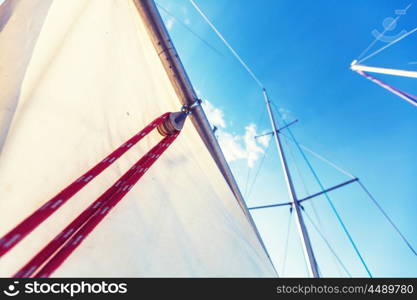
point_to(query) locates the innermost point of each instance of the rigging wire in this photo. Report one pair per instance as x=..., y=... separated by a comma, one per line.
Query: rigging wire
x=288, y=148
x=304, y=185
x=257, y=172
x=326, y=161
x=284, y=264
x=373, y=199
x=367, y=192
x=247, y=182
x=189, y=29
x=394, y=21
x=260, y=119
x=244, y=65
x=339, y=218
x=237, y=56
x=306, y=191
x=321, y=158
x=314, y=153
x=251, y=73
x=327, y=244
x=388, y=45
x=312, y=203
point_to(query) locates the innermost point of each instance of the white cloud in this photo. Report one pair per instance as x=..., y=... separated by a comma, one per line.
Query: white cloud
x=286, y=114
x=236, y=147
x=231, y=146
x=214, y=114
x=264, y=140
x=170, y=19
x=253, y=150
x=170, y=22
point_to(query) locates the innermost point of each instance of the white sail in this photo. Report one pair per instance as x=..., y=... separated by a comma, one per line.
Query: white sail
x=78, y=78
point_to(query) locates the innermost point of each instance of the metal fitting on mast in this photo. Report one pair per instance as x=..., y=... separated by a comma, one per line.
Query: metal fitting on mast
x=187, y=108
x=173, y=124
x=175, y=121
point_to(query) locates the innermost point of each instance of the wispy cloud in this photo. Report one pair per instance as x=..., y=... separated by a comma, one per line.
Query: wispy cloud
x=184, y=12
x=236, y=147
x=231, y=146
x=264, y=140
x=170, y=23
x=286, y=114
x=171, y=19
x=253, y=148
x=214, y=114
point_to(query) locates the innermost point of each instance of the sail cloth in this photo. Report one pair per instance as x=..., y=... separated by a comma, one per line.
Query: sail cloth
x=78, y=78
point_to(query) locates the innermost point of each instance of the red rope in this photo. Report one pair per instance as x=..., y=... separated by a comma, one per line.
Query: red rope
x=36, y=218
x=83, y=225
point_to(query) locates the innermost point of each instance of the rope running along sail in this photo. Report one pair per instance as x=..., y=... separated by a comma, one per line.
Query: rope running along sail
x=168, y=125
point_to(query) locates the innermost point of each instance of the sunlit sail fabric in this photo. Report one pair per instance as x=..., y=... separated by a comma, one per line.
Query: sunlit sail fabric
x=77, y=79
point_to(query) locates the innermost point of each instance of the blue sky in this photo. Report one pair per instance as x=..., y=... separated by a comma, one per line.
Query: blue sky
x=301, y=51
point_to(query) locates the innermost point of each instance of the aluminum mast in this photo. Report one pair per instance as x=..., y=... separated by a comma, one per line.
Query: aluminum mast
x=305, y=239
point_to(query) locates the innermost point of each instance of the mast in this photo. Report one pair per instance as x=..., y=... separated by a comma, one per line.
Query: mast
x=305, y=239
